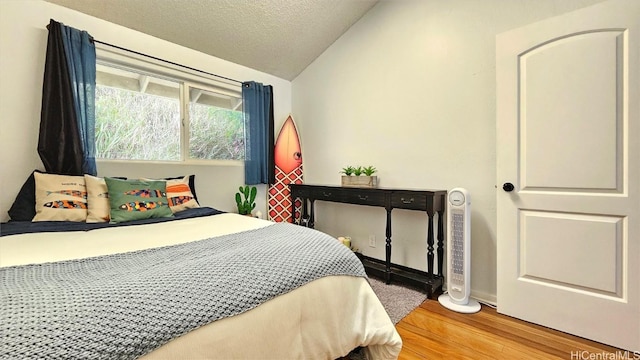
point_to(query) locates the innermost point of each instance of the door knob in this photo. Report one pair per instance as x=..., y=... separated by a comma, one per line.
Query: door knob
x=508, y=187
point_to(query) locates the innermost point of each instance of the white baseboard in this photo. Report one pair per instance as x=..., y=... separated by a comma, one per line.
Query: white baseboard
x=483, y=298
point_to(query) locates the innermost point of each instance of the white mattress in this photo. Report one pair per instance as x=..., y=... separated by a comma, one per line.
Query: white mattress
x=324, y=319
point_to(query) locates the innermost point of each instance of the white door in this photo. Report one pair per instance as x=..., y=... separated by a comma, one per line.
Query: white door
x=568, y=135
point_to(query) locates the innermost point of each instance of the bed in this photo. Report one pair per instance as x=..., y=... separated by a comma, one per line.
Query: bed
x=202, y=285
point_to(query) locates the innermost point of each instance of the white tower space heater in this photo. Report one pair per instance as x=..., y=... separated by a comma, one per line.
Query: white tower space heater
x=459, y=254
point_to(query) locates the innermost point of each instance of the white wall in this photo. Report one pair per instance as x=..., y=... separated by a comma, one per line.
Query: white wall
x=23, y=41
x=410, y=89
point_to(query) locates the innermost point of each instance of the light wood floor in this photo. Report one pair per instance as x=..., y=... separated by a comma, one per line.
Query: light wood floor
x=433, y=332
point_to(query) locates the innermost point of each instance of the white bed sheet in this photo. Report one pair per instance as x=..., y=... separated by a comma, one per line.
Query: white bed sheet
x=324, y=319
x=38, y=248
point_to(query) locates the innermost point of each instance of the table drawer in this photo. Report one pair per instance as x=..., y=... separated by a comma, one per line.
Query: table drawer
x=368, y=197
x=301, y=192
x=408, y=200
x=329, y=194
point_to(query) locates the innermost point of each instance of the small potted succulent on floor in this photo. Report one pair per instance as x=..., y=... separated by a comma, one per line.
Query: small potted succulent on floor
x=245, y=199
x=359, y=176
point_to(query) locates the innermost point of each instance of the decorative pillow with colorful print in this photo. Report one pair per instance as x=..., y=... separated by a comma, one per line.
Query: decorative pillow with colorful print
x=98, y=208
x=60, y=198
x=137, y=199
x=180, y=196
x=180, y=193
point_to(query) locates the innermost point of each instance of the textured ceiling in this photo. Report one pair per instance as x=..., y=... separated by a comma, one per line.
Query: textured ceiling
x=278, y=37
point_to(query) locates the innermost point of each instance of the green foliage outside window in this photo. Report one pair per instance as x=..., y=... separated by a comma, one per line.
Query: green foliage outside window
x=136, y=126
x=216, y=133
x=140, y=126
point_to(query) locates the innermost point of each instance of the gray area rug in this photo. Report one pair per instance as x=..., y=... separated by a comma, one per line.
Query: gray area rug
x=398, y=300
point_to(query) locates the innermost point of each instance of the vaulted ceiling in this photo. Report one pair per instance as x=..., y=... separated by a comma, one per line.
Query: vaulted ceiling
x=278, y=37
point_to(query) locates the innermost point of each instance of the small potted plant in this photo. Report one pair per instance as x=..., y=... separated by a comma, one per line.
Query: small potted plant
x=245, y=199
x=348, y=171
x=359, y=176
x=369, y=170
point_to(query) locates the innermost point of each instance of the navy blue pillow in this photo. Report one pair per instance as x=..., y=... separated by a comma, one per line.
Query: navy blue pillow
x=24, y=206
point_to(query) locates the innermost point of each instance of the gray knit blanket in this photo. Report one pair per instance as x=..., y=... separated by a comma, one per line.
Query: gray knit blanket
x=123, y=306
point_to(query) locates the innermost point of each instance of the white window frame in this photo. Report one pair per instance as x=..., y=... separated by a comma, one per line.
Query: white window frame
x=113, y=57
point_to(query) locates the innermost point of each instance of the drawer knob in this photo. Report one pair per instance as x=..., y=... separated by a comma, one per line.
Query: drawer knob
x=404, y=201
x=326, y=194
x=363, y=197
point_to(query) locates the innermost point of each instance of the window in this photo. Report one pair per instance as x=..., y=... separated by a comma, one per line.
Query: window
x=142, y=115
x=216, y=127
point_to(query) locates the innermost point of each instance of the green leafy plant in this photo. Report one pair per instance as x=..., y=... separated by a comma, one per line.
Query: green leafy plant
x=348, y=170
x=369, y=170
x=245, y=199
x=360, y=170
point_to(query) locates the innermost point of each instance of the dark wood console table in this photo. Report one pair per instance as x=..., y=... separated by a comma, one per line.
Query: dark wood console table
x=430, y=201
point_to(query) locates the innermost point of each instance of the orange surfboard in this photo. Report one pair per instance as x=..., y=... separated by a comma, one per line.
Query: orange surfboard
x=288, y=163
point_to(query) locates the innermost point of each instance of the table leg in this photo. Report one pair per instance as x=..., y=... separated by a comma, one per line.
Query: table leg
x=312, y=217
x=304, y=212
x=293, y=210
x=387, y=271
x=440, y=241
x=430, y=242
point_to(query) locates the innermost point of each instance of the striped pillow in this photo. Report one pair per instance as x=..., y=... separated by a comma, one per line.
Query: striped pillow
x=180, y=196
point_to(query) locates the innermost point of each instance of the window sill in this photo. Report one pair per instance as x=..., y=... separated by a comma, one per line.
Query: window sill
x=234, y=163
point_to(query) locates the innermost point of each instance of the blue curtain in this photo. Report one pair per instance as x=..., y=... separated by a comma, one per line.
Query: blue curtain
x=259, y=165
x=81, y=60
x=66, y=142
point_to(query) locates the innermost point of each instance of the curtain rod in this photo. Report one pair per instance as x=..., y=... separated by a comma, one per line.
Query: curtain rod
x=159, y=59
x=163, y=60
